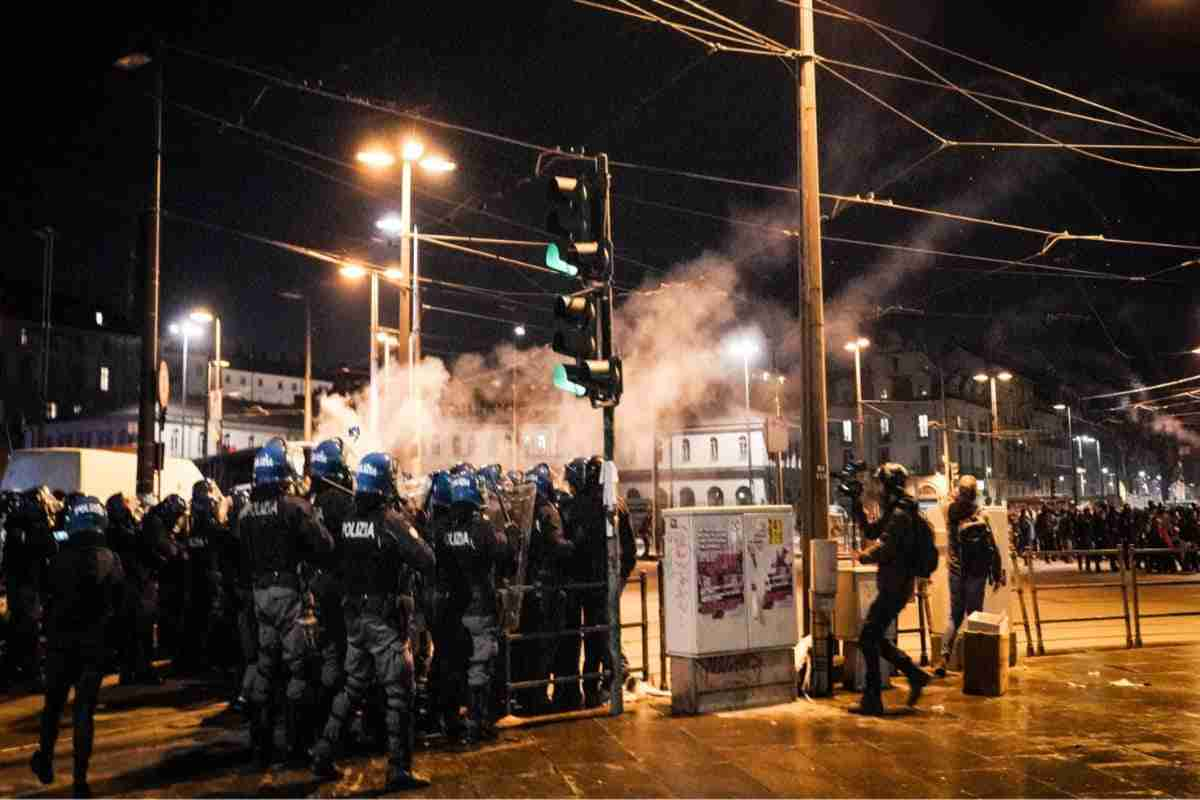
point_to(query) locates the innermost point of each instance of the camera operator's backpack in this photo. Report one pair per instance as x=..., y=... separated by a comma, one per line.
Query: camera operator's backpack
x=923, y=554
x=976, y=546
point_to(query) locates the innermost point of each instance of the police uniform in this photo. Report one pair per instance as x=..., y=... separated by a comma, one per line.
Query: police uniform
x=379, y=545
x=277, y=531
x=28, y=546
x=82, y=589
x=470, y=552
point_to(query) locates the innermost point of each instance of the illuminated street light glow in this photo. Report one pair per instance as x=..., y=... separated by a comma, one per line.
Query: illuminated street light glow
x=412, y=150
x=981, y=378
x=201, y=315
x=1005, y=376
x=391, y=224
x=861, y=343
x=743, y=347
x=186, y=329
x=383, y=337
x=132, y=61
x=519, y=330
x=376, y=159
x=1060, y=407
x=437, y=164
x=352, y=271
x=393, y=274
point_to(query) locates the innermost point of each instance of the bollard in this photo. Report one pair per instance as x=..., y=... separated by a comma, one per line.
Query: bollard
x=1033, y=599
x=1122, y=561
x=1021, y=598
x=662, y=631
x=645, y=627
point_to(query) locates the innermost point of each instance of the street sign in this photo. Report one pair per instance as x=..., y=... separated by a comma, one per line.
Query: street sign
x=164, y=384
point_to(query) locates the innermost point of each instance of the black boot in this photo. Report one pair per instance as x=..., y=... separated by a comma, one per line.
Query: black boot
x=871, y=704
x=918, y=679
x=42, y=766
x=295, y=723
x=400, y=776
x=263, y=735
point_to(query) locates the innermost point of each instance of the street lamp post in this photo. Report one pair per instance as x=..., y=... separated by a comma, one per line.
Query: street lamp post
x=746, y=347
x=779, y=381
x=1003, y=376
x=308, y=420
x=185, y=330
x=856, y=347
x=518, y=332
x=212, y=377
x=1071, y=447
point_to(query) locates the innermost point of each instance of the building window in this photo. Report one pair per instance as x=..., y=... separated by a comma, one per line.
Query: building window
x=52, y=410
x=456, y=445
x=100, y=318
x=281, y=386
x=542, y=443
x=685, y=454
x=714, y=450
x=885, y=427
x=922, y=426
x=633, y=494
x=437, y=446
x=715, y=496
x=77, y=409
x=295, y=386
x=260, y=383
x=847, y=431
x=243, y=380
x=883, y=394
x=847, y=457
x=925, y=470
x=24, y=337
x=250, y=441
x=743, y=446
x=885, y=455
x=687, y=498
x=742, y=496
x=104, y=379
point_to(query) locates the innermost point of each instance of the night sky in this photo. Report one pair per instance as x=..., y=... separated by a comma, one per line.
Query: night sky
x=558, y=73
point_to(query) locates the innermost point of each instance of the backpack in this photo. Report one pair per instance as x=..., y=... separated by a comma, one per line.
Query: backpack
x=976, y=547
x=923, y=554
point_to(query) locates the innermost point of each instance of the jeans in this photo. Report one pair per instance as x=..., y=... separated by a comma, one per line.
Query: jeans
x=874, y=643
x=966, y=596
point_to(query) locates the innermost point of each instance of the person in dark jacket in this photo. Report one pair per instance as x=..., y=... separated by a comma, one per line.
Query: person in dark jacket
x=451, y=642
x=471, y=554
x=333, y=498
x=279, y=530
x=972, y=561
x=379, y=546
x=83, y=589
x=543, y=609
x=28, y=547
x=893, y=535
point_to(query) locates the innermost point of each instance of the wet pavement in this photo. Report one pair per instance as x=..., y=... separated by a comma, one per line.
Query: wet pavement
x=1114, y=723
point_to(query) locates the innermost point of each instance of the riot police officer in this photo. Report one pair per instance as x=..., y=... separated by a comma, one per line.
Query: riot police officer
x=82, y=588
x=333, y=498
x=28, y=546
x=163, y=529
x=451, y=643
x=278, y=530
x=193, y=654
x=379, y=545
x=471, y=555
x=543, y=609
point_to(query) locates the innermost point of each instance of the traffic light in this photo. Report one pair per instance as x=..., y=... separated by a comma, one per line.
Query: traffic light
x=577, y=223
x=592, y=375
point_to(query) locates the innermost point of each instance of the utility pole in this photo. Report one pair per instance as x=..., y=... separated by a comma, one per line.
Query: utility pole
x=812, y=302
x=147, y=445
x=47, y=235
x=308, y=419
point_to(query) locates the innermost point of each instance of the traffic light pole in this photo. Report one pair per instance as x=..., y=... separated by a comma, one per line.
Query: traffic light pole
x=812, y=302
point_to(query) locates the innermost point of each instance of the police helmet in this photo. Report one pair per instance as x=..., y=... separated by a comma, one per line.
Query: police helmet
x=493, y=476
x=541, y=478
x=515, y=477
x=84, y=514
x=439, y=489
x=40, y=507
x=122, y=510
x=329, y=464
x=462, y=466
x=276, y=463
x=893, y=477
x=377, y=475
x=593, y=471
x=464, y=488
x=576, y=474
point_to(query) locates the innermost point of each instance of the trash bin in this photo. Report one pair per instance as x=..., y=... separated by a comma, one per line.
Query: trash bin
x=985, y=654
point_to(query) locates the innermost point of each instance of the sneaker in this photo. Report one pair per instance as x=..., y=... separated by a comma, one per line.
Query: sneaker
x=939, y=669
x=400, y=780
x=916, y=684
x=42, y=767
x=871, y=706
x=81, y=789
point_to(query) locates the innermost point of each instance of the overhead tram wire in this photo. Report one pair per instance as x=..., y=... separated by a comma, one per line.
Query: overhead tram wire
x=843, y=14
x=487, y=317
x=878, y=30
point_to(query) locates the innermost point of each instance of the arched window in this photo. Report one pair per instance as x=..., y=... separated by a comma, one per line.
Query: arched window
x=663, y=500
x=715, y=496
x=714, y=451
x=743, y=446
x=437, y=445
x=456, y=445
x=744, y=498
x=686, y=450
x=633, y=494
x=687, y=498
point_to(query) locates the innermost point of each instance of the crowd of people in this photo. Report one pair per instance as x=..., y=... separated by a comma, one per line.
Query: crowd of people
x=1055, y=527
x=365, y=614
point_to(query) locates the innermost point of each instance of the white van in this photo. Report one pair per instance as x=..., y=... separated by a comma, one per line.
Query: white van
x=100, y=473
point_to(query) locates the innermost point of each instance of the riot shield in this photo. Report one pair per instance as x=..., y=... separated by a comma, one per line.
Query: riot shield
x=511, y=508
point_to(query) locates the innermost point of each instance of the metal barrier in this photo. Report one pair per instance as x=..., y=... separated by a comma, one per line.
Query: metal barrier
x=581, y=632
x=1127, y=559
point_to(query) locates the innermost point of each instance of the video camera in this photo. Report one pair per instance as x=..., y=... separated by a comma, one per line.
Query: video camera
x=851, y=486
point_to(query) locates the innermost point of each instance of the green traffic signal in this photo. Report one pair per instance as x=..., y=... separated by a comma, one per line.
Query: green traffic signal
x=561, y=381
x=554, y=261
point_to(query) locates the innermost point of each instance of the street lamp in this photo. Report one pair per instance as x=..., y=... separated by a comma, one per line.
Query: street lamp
x=518, y=333
x=745, y=347
x=856, y=347
x=300, y=297
x=1071, y=448
x=779, y=380
x=186, y=330
x=213, y=411
x=1004, y=376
